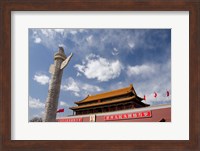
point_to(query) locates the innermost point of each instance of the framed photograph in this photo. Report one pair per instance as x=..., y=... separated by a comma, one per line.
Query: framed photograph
x=128, y=74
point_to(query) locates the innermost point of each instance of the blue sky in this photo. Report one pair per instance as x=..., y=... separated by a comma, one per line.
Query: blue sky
x=103, y=60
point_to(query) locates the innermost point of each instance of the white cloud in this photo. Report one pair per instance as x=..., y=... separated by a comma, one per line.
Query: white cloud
x=99, y=40
x=71, y=86
x=131, y=45
x=35, y=103
x=91, y=88
x=140, y=70
x=37, y=40
x=161, y=97
x=76, y=94
x=36, y=37
x=39, y=115
x=50, y=38
x=100, y=68
x=81, y=30
x=49, y=33
x=42, y=114
x=41, y=78
x=61, y=45
x=119, y=85
x=115, y=52
x=80, y=67
x=89, y=39
x=73, y=32
x=63, y=104
x=79, y=88
x=158, y=81
x=78, y=74
x=59, y=30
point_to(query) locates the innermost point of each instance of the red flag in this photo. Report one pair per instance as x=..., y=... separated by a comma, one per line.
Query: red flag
x=60, y=110
x=167, y=93
x=155, y=94
x=144, y=97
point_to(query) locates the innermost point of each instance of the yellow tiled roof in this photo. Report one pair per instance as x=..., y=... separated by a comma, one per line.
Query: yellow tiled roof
x=103, y=103
x=108, y=94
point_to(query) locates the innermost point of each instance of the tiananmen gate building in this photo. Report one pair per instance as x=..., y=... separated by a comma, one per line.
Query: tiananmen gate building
x=121, y=105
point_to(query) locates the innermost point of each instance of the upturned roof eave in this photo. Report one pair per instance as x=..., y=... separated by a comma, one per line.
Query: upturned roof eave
x=102, y=103
x=127, y=90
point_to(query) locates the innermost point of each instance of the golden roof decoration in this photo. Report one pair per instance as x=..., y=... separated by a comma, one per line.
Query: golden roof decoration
x=108, y=94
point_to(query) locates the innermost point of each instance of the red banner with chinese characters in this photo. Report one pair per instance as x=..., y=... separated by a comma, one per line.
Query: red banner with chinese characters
x=127, y=116
x=70, y=120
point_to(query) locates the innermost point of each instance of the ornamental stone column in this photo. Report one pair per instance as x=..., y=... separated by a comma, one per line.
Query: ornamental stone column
x=56, y=69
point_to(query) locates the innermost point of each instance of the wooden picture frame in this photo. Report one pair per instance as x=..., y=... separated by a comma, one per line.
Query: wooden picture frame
x=7, y=6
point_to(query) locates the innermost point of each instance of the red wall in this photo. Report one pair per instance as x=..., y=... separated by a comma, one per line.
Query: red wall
x=156, y=116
